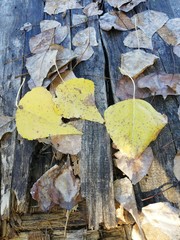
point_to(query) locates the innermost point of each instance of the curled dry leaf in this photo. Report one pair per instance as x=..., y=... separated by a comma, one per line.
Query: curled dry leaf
x=176, y=168
x=7, y=124
x=37, y=116
x=161, y=84
x=75, y=99
x=125, y=89
x=170, y=32
x=149, y=21
x=125, y=122
x=136, y=168
x=57, y=186
x=92, y=9
x=68, y=144
x=135, y=62
x=176, y=50
x=59, y=6
x=160, y=221
x=117, y=20
x=39, y=65
x=130, y=5
x=85, y=36
x=138, y=39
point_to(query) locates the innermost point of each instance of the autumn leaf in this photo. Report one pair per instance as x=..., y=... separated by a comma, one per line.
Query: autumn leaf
x=117, y=20
x=176, y=50
x=39, y=65
x=92, y=9
x=130, y=5
x=138, y=39
x=57, y=186
x=117, y=3
x=159, y=221
x=75, y=99
x=59, y=6
x=176, y=168
x=150, y=21
x=48, y=24
x=160, y=84
x=6, y=125
x=135, y=62
x=170, y=32
x=132, y=125
x=37, y=117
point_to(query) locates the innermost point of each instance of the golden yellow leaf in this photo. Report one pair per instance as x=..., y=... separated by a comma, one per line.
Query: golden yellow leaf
x=37, y=116
x=75, y=99
x=132, y=125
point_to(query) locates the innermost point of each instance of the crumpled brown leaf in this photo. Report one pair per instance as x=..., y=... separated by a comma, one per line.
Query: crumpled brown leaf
x=117, y=20
x=117, y=3
x=137, y=168
x=48, y=24
x=161, y=84
x=159, y=221
x=138, y=39
x=92, y=9
x=149, y=21
x=7, y=124
x=170, y=32
x=78, y=19
x=124, y=89
x=59, y=6
x=57, y=186
x=39, y=65
x=135, y=62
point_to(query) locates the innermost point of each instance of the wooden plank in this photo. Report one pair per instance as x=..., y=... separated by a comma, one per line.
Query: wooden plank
x=161, y=174
x=96, y=161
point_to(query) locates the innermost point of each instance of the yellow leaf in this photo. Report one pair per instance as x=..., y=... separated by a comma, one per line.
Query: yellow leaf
x=132, y=125
x=37, y=116
x=75, y=99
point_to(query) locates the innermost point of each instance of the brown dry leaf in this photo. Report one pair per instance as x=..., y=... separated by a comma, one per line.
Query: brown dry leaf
x=39, y=65
x=176, y=168
x=138, y=39
x=48, y=24
x=42, y=41
x=117, y=3
x=57, y=186
x=59, y=6
x=68, y=144
x=124, y=89
x=170, y=32
x=130, y=5
x=124, y=194
x=136, y=168
x=123, y=216
x=150, y=21
x=176, y=50
x=161, y=84
x=92, y=9
x=78, y=19
x=7, y=124
x=135, y=62
x=117, y=20
x=64, y=57
x=86, y=36
x=61, y=33
x=160, y=221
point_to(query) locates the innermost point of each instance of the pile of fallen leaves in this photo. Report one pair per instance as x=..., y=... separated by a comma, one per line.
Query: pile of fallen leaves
x=41, y=112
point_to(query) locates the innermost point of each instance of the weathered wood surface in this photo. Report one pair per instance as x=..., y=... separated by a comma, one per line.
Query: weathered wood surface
x=23, y=162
